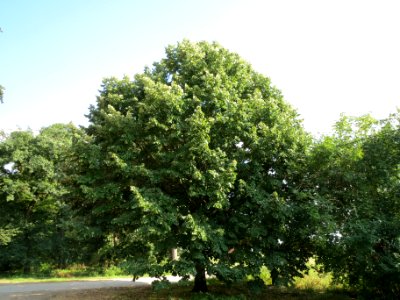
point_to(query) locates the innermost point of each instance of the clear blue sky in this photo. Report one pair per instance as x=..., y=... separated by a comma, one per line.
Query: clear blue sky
x=327, y=57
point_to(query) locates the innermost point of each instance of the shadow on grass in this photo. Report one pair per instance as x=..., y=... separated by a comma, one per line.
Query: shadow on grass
x=219, y=291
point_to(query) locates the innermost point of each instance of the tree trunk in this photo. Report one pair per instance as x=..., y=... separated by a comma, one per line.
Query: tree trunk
x=27, y=258
x=274, y=276
x=27, y=268
x=174, y=254
x=200, y=283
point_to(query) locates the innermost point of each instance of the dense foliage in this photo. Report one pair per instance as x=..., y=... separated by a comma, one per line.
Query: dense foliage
x=35, y=222
x=358, y=171
x=199, y=153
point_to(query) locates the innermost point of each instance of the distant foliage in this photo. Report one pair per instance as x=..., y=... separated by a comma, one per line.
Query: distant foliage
x=1, y=93
x=36, y=225
x=358, y=171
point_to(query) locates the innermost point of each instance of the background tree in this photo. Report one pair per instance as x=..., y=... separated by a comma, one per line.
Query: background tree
x=199, y=153
x=34, y=218
x=1, y=89
x=1, y=93
x=358, y=171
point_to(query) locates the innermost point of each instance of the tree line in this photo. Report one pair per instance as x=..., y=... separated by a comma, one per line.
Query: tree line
x=200, y=153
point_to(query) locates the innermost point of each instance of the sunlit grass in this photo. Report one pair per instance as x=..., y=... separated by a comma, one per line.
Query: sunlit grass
x=75, y=272
x=312, y=280
x=56, y=279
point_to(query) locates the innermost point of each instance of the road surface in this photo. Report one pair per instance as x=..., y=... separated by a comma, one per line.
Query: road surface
x=40, y=290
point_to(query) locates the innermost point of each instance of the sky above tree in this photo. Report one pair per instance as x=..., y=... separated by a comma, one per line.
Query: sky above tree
x=327, y=57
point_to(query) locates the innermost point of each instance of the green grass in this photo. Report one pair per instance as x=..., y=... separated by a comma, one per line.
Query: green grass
x=218, y=291
x=182, y=291
x=75, y=272
x=312, y=279
x=32, y=279
x=313, y=285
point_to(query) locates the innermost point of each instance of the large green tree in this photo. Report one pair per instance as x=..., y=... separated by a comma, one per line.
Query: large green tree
x=199, y=153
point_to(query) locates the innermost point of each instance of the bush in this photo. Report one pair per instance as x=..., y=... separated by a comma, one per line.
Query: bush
x=114, y=271
x=44, y=269
x=75, y=270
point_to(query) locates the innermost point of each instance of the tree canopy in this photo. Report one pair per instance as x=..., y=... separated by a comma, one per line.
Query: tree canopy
x=34, y=216
x=358, y=171
x=198, y=153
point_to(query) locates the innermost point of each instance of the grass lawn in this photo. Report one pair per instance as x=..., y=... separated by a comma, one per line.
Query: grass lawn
x=34, y=279
x=216, y=292
x=312, y=286
x=74, y=272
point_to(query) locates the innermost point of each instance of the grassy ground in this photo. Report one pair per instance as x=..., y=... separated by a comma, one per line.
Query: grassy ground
x=313, y=286
x=216, y=292
x=33, y=279
x=74, y=272
x=182, y=291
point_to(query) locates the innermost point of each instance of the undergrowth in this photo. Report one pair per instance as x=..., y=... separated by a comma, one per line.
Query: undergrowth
x=76, y=271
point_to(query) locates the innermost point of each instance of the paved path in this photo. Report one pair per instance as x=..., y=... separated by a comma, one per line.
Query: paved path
x=14, y=291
